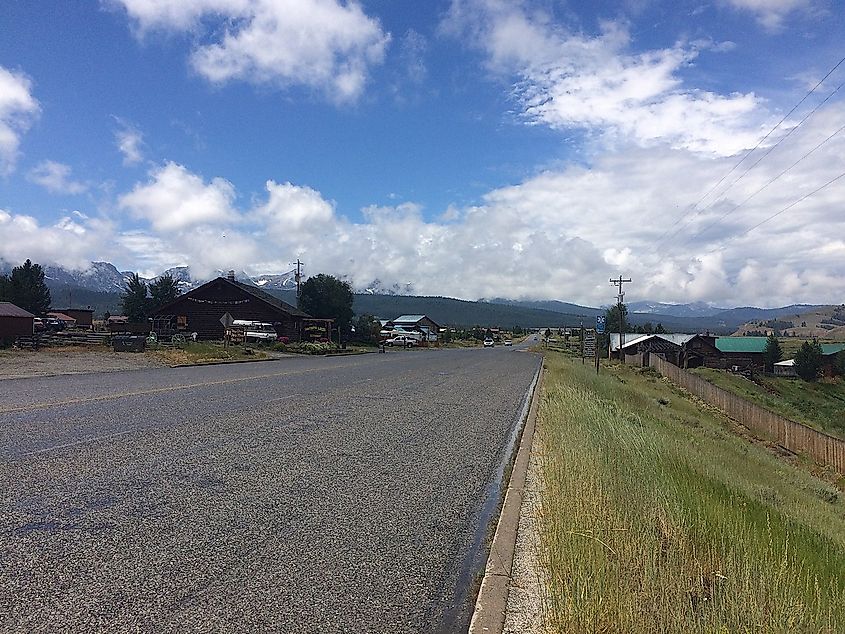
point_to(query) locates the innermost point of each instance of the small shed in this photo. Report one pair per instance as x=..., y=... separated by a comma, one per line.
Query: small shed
x=15, y=321
x=67, y=320
x=785, y=368
x=84, y=316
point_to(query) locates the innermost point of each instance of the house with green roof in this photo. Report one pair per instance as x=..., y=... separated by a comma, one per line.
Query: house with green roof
x=724, y=352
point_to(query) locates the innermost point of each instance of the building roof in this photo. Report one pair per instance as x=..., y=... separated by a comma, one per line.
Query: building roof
x=678, y=339
x=60, y=316
x=409, y=319
x=786, y=364
x=256, y=292
x=741, y=344
x=832, y=348
x=267, y=297
x=8, y=309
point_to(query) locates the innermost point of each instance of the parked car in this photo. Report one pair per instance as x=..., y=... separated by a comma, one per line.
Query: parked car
x=508, y=342
x=488, y=343
x=402, y=340
x=257, y=330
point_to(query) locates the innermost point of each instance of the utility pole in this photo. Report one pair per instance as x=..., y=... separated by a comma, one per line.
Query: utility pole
x=620, y=297
x=298, y=278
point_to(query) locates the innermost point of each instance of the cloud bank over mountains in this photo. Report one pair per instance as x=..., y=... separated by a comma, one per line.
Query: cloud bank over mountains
x=631, y=204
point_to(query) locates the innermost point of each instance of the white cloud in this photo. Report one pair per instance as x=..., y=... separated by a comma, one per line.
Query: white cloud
x=18, y=108
x=175, y=198
x=322, y=44
x=55, y=178
x=70, y=242
x=572, y=80
x=771, y=13
x=130, y=142
x=560, y=234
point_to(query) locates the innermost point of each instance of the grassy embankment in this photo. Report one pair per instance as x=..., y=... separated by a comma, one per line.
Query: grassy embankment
x=657, y=518
x=820, y=404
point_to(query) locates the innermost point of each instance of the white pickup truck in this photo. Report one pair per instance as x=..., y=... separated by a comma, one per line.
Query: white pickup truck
x=257, y=330
x=403, y=340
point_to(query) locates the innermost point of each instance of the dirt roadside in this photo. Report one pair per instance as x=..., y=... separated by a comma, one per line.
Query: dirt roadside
x=71, y=360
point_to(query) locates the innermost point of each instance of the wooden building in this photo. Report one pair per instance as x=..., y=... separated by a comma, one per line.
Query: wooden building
x=84, y=316
x=415, y=323
x=201, y=310
x=724, y=353
x=15, y=321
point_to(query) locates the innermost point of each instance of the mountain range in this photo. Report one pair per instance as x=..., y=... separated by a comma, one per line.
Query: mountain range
x=100, y=286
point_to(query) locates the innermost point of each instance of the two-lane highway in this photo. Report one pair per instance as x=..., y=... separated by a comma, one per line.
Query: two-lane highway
x=309, y=494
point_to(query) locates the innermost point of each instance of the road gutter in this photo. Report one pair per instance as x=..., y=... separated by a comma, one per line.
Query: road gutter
x=491, y=604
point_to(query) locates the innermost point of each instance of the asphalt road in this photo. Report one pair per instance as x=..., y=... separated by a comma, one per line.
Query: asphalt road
x=345, y=494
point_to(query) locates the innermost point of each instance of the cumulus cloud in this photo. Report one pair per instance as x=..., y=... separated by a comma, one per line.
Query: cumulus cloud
x=130, y=142
x=175, y=198
x=322, y=44
x=771, y=13
x=55, y=178
x=560, y=234
x=71, y=241
x=572, y=80
x=18, y=108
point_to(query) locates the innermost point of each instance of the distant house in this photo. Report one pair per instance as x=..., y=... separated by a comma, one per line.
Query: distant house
x=785, y=368
x=15, y=321
x=667, y=346
x=829, y=352
x=67, y=320
x=418, y=323
x=724, y=352
x=201, y=310
x=84, y=316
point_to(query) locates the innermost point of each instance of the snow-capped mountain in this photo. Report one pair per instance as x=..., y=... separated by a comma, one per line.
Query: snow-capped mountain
x=694, y=309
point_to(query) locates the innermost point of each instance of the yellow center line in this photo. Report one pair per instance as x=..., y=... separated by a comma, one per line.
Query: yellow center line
x=160, y=390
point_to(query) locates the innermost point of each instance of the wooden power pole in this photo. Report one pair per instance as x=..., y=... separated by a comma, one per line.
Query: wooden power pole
x=620, y=297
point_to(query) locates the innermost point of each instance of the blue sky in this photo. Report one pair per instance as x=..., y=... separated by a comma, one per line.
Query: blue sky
x=473, y=148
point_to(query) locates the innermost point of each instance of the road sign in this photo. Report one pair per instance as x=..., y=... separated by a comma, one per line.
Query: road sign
x=589, y=343
x=227, y=320
x=601, y=320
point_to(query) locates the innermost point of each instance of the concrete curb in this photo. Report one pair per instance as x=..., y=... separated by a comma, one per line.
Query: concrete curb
x=492, y=601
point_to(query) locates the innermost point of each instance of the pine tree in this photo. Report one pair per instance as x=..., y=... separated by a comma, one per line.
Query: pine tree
x=134, y=299
x=772, y=353
x=163, y=291
x=25, y=288
x=808, y=360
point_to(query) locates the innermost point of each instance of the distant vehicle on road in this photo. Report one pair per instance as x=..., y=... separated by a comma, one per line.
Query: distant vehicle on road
x=257, y=330
x=403, y=340
x=508, y=342
x=488, y=343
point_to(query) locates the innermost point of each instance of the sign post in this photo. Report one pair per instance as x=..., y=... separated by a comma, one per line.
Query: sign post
x=601, y=323
x=227, y=320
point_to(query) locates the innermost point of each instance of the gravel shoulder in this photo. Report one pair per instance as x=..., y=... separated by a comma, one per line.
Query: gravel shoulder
x=15, y=364
x=525, y=592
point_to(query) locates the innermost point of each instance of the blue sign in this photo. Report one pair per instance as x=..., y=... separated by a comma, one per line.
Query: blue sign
x=600, y=322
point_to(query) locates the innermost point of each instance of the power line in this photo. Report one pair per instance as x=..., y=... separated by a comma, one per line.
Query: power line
x=730, y=211
x=775, y=215
x=747, y=154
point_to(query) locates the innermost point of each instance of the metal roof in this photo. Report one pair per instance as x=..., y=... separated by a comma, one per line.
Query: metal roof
x=678, y=339
x=832, y=348
x=741, y=344
x=412, y=319
x=8, y=309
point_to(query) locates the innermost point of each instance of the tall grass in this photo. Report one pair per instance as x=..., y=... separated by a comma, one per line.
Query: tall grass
x=656, y=519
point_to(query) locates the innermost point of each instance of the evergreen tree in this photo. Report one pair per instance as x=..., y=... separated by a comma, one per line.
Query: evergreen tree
x=772, y=353
x=134, y=299
x=808, y=360
x=612, y=317
x=25, y=288
x=163, y=291
x=327, y=297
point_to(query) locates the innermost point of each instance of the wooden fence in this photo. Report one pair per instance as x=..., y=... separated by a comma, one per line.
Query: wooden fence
x=795, y=437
